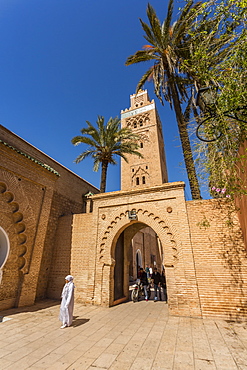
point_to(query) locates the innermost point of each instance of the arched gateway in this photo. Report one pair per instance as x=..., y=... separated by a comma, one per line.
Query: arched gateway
x=96, y=236
x=198, y=252
x=119, y=235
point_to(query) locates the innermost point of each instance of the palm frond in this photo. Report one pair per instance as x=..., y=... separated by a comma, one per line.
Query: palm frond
x=96, y=165
x=155, y=26
x=140, y=56
x=106, y=141
x=148, y=31
x=84, y=140
x=87, y=153
x=165, y=30
x=144, y=79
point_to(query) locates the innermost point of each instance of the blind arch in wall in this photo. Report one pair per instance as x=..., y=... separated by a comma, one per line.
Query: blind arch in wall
x=4, y=249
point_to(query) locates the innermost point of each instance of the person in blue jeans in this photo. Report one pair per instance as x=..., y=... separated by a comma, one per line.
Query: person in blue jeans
x=156, y=281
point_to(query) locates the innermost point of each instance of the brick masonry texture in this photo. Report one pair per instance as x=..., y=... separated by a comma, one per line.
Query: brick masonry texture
x=220, y=257
x=143, y=119
x=203, y=249
x=50, y=235
x=33, y=200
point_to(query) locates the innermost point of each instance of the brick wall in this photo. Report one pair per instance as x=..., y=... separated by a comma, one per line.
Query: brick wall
x=202, y=245
x=95, y=236
x=83, y=256
x=60, y=207
x=220, y=258
x=33, y=198
x=241, y=201
x=60, y=260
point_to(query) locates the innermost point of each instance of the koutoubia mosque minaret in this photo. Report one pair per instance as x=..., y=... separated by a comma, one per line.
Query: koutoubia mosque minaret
x=142, y=117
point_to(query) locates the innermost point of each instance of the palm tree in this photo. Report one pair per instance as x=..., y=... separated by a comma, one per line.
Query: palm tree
x=105, y=142
x=167, y=43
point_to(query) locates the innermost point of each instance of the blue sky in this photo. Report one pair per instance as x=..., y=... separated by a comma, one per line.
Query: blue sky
x=62, y=63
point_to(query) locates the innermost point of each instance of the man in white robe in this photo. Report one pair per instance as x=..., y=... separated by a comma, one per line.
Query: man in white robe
x=67, y=304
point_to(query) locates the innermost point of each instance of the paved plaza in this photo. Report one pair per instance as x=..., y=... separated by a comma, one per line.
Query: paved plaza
x=132, y=336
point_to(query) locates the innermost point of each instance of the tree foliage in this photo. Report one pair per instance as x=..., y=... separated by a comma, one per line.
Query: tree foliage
x=167, y=46
x=220, y=161
x=205, y=47
x=106, y=141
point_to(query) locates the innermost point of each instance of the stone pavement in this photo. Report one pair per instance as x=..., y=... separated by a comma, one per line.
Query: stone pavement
x=129, y=336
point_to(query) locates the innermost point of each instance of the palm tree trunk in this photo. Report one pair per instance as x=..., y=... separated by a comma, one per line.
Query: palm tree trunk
x=104, y=166
x=186, y=147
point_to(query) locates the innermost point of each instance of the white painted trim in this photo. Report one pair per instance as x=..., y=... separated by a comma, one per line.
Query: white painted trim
x=146, y=108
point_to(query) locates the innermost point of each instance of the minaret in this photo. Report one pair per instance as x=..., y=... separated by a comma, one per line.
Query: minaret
x=142, y=117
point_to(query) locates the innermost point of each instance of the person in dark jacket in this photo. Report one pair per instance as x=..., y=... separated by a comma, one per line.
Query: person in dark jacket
x=144, y=282
x=163, y=285
x=156, y=280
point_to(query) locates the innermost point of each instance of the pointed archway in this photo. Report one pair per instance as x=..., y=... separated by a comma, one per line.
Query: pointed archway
x=180, y=277
x=138, y=252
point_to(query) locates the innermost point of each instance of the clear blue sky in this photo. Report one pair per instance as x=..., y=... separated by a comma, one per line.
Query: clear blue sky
x=62, y=63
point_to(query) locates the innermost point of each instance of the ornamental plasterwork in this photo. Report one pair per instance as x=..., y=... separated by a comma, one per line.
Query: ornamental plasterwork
x=139, y=99
x=139, y=120
x=17, y=219
x=140, y=172
x=150, y=219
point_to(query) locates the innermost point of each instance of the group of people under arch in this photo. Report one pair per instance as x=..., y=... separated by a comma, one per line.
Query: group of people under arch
x=153, y=278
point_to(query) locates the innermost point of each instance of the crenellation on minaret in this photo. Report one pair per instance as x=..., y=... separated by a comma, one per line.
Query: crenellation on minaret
x=142, y=117
x=137, y=101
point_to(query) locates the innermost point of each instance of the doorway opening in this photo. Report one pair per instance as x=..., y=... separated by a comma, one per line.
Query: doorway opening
x=138, y=261
x=138, y=246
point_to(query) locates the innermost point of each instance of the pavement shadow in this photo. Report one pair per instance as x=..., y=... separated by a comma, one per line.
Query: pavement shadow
x=39, y=305
x=77, y=322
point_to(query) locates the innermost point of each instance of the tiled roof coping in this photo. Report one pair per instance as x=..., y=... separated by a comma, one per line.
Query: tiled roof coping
x=46, y=166
x=89, y=194
x=156, y=188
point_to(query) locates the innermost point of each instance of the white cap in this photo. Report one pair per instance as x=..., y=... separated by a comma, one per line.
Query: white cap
x=69, y=277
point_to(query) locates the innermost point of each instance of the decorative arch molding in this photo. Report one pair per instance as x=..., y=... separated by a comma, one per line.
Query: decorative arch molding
x=161, y=226
x=19, y=224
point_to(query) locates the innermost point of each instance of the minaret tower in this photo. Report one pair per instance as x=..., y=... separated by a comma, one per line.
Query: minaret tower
x=142, y=117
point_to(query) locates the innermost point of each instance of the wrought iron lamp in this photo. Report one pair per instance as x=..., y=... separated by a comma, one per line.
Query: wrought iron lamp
x=208, y=96
x=208, y=130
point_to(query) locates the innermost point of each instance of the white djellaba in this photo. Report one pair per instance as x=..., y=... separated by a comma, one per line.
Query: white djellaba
x=67, y=304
